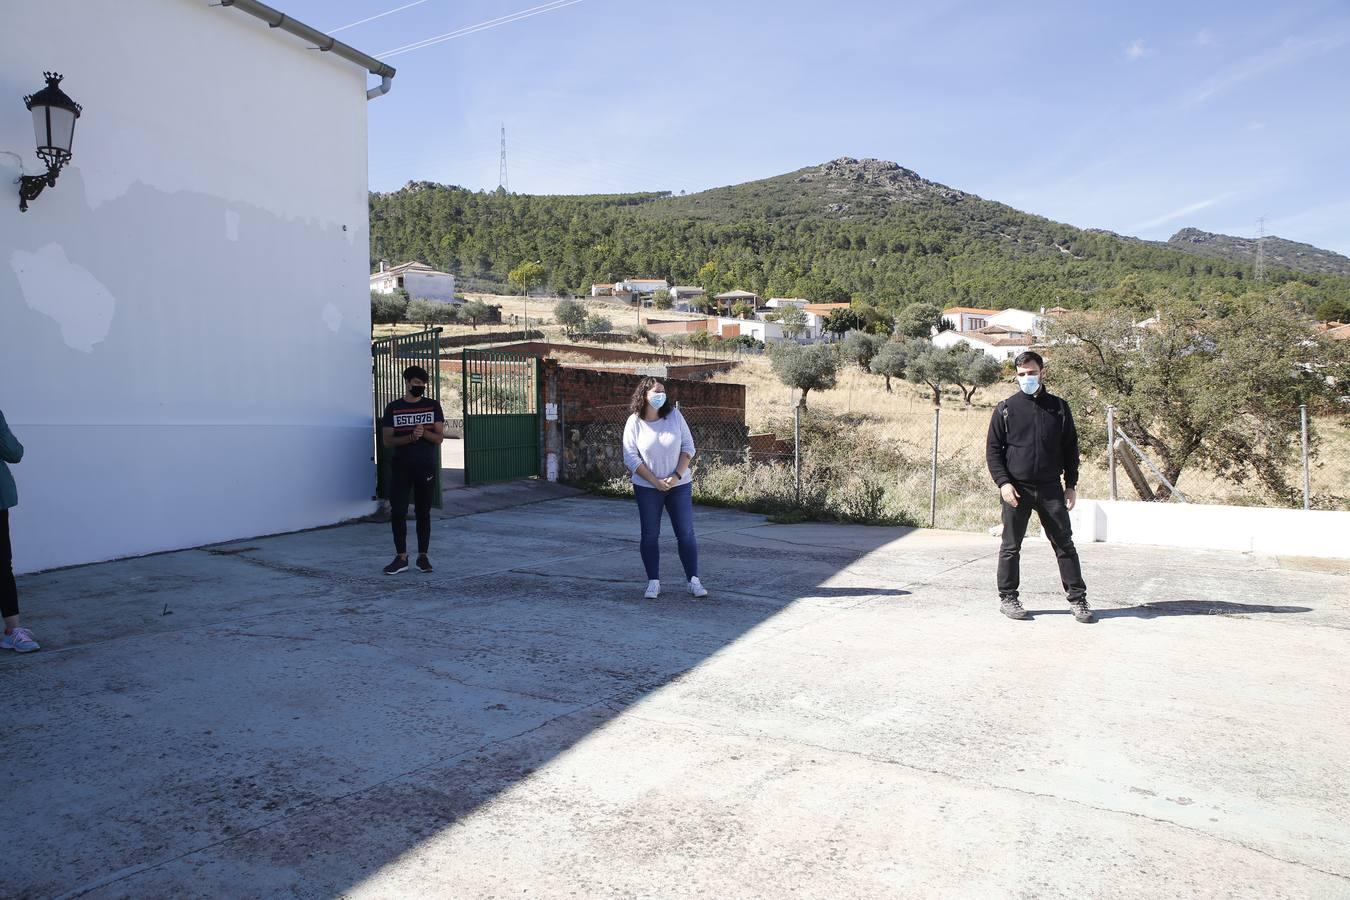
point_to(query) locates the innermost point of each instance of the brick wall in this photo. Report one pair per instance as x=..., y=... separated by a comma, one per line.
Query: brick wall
x=678, y=326
x=593, y=408
x=767, y=446
x=599, y=354
x=679, y=371
x=487, y=337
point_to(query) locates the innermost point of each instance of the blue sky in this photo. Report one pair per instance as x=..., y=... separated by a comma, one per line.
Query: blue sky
x=1142, y=117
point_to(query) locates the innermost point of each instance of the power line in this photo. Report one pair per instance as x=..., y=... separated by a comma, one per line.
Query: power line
x=379, y=15
x=481, y=26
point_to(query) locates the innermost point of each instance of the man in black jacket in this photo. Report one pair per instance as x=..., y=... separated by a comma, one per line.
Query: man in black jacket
x=1032, y=443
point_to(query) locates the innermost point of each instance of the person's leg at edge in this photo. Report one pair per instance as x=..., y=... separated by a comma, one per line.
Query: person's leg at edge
x=1054, y=515
x=424, y=490
x=1015, y=519
x=650, y=503
x=680, y=505
x=16, y=637
x=9, y=589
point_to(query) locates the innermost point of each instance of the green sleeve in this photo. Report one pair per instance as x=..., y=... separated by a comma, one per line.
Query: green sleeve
x=11, y=451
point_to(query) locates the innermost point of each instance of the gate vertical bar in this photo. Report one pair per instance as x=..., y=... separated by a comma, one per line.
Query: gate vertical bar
x=797, y=451
x=434, y=370
x=1111, y=447
x=932, y=489
x=1303, y=418
x=467, y=403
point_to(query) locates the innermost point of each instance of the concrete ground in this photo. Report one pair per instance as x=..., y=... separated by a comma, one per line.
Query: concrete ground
x=846, y=716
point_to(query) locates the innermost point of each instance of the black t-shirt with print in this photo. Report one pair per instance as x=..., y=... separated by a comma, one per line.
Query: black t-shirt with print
x=403, y=417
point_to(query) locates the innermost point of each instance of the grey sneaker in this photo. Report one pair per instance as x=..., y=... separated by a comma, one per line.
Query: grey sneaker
x=19, y=640
x=1081, y=611
x=1012, y=608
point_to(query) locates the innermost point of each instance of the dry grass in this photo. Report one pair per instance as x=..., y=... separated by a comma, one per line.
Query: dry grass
x=859, y=406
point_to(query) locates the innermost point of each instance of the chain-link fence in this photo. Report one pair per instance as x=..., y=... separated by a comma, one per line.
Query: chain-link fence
x=917, y=464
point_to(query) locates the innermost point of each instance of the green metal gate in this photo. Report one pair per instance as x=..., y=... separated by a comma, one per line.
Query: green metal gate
x=501, y=416
x=389, y=357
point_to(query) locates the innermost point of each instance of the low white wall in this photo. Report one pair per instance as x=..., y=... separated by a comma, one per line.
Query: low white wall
x=1247, y=529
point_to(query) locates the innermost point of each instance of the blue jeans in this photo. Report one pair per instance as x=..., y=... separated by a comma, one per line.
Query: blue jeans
x=679, y=502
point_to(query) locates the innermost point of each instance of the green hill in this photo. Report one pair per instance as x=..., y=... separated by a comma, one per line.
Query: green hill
x=867, y=230
x=1279, y=252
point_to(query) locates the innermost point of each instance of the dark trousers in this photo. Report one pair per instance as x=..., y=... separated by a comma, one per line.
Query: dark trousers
x=1048, y=502
x=420, y=481
x=9, y=591
x=679, y=503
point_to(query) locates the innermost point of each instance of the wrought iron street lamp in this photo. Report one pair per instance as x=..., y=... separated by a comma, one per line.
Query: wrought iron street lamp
x=54, y=116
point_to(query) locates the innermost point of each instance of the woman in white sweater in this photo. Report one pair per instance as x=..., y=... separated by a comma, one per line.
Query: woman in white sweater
x=657, y=448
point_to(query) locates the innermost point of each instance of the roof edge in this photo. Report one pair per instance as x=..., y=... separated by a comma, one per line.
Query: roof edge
x=277, y=19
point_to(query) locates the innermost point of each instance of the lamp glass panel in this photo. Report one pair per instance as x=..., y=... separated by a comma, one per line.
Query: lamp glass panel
x=63, y=128
x=40, y=126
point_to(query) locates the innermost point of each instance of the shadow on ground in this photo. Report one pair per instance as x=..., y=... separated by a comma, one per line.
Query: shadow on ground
x=272, y=717
x=1159, y=608
x=232, y=712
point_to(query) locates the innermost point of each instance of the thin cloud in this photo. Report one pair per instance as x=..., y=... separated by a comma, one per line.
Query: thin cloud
x=1135, y=50
x=1181, y=213
x=1290, y=51
x=1204, y=38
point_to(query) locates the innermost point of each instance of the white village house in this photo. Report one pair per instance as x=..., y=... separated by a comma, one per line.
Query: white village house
x=160, y=387
x=761, y=330
x=682, y=294
x=991, y=341
x=968, y=318
x=631, y=290
x=421, y=281
x=1001, y=334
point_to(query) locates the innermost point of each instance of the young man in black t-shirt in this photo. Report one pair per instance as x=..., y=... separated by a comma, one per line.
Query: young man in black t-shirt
x=413, y=427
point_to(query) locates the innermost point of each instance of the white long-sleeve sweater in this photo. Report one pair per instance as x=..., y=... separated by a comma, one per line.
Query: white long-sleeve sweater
x=657, y=444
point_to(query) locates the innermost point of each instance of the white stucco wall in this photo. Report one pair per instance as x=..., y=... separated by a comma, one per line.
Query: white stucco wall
x=184, y=318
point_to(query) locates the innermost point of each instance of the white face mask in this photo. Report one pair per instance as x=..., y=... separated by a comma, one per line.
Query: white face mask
x=656, y=400
x=1029, y=384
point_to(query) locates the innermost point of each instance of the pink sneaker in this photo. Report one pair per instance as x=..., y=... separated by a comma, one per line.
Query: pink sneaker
x=20, y=640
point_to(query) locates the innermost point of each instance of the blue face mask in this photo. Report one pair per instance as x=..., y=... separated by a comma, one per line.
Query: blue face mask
x=1029, y=384
x=656, y=400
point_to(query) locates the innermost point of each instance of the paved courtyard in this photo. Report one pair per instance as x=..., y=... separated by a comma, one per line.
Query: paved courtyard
x=847, y=716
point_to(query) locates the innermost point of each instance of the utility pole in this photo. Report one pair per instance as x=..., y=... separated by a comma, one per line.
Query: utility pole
x=503, y=182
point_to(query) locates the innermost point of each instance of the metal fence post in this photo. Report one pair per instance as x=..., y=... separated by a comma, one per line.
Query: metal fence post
x=1111, y=447
x=797, y=450
x=932, y=491
x=1303, y=418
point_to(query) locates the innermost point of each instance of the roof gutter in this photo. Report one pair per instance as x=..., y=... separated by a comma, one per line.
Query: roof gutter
x=321, y=41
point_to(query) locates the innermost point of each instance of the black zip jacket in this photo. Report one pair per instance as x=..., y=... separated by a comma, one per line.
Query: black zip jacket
x=1032, y=440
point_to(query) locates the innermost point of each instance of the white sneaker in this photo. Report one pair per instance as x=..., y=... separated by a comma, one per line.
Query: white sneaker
x=20, y=640
x=696, y=587
x=653, y=590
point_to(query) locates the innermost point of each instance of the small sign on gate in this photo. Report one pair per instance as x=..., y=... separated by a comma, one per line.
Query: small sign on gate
x=475, y=378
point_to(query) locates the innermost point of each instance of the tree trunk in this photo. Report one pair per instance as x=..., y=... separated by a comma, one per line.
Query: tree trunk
x=888, y=383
